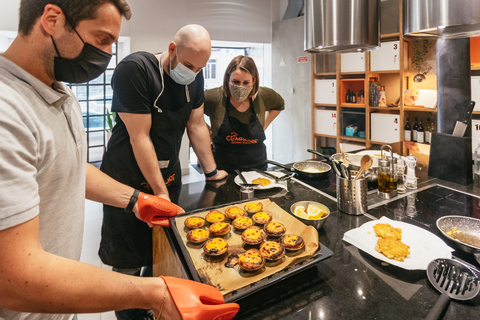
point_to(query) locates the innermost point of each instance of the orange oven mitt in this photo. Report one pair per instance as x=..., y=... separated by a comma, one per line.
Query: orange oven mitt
x=156, y=210
x=198, y=301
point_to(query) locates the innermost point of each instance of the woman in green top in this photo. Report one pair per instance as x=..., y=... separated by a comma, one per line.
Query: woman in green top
x=239, y=112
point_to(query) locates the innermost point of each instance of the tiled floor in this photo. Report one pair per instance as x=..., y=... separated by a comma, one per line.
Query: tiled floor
x=91, y=240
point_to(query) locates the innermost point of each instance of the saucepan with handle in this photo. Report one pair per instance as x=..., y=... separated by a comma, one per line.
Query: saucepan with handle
x=310, y=169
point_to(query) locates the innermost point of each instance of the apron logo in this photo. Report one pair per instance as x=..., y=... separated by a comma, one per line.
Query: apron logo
x=146, y=186
x=235, y=139
x=170, y=179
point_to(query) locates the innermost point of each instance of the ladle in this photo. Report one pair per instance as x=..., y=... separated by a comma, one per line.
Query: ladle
x=343, y=155
x=365, y=164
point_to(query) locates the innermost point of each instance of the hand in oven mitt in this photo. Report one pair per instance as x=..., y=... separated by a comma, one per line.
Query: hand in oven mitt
x=198, y=301
x=156, y=210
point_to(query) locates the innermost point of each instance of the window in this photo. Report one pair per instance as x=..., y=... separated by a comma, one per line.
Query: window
x=211, y=69
x=95, y=99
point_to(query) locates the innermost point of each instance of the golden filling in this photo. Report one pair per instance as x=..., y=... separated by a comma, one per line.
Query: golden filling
x=252, y=233
x=271, y=246
x=215, y=216
x=235, y=210
x=199, y=233
x=218, y=226
x=194, y=221
x=251, y=256
x=262, y=181
x=254, y=206
x=274, y=227
x=291, y=239
x=216, y=243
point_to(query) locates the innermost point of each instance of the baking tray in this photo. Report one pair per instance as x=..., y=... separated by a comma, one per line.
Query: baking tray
x=322, y=254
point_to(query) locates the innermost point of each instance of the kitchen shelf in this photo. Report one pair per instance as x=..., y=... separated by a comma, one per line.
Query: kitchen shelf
x=319, y=105
x=352, y=138
x=353, y=105
x=390, y=36
x=419, y=109
x=325, y=135
x=325, y=74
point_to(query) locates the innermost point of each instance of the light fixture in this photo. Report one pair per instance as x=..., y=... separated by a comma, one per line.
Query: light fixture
x=446, y=19
x=419, y=77
x=342, y=25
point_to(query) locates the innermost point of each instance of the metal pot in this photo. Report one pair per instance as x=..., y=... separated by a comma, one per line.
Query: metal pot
x=302, y=169
x=354, y=165
x=465, y=225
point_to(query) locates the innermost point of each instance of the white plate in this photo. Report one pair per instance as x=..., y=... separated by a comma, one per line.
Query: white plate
x=424, y=245
x=252, y=175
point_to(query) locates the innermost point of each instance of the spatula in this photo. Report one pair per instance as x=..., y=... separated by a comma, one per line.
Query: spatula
x=244, y=181
x=454, y=280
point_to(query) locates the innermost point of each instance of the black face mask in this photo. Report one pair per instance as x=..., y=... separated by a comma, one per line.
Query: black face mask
x=89, y=64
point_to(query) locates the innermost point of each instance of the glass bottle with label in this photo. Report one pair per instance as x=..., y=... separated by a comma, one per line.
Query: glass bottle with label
x=348, y=96
x=415, y=129
x=428, y=133
x=420, y=133
x=408, y=131
x=433, y=130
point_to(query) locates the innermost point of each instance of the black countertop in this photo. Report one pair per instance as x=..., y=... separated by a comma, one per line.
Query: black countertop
x=351, y=284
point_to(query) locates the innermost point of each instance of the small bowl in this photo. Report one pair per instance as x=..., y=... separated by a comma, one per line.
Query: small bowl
x=316, y=223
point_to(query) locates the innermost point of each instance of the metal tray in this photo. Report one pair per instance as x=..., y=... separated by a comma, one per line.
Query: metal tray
x=322, y=254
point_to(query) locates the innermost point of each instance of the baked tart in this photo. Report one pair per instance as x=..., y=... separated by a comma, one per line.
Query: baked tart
x=215, y=216
x=251, y=260
x=215, y=247
x=275, y=229
x=253, y=235
x=194, y=222
x=198, y=235
x=253, y=207
x=292, y=242
x=234, y=212
x=220, y=228
x=243, y=222
x=272, y=250
x=262, y=217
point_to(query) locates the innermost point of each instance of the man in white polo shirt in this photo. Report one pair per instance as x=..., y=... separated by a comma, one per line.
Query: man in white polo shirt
x=43, y=169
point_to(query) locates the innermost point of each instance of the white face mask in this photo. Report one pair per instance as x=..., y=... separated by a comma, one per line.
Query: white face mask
x=181, y=74
x=239, y=93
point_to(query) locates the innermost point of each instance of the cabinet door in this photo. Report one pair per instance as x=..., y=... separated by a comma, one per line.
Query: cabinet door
x=326, y=122
x=352, y=62
x=385, y=127
x=475, y=134
x=386, y=58
x=476, y=93
x=326, y=91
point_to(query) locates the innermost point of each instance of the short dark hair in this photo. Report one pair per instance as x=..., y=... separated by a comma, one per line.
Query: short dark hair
x=74, y=10
x=243, y=63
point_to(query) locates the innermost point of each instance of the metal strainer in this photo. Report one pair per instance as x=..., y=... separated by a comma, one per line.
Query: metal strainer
x=454, y=280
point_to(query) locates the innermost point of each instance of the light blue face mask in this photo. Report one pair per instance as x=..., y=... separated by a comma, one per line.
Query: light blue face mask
x=181, y=74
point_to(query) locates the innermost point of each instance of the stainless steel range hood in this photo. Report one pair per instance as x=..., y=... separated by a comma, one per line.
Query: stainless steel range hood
x=341, y=25
x=446, y=19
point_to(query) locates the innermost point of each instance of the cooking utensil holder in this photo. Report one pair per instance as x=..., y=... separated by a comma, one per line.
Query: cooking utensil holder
x=451, y=158
x=352, y=196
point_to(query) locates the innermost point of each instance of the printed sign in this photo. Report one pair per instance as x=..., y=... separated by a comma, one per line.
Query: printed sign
x=302, y=59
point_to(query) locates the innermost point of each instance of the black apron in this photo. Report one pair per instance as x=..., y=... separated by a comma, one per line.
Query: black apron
x=126, y=241
x=238, y=145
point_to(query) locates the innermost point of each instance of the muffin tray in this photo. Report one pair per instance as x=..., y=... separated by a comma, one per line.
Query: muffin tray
x=322, y=254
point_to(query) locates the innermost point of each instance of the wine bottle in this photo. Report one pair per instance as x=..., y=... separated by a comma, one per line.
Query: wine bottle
x=433, y=130
x=415, y=129
x=408, y=131
x=420, y=133
x=348, y=96
x=354, y=97
x=428, y=133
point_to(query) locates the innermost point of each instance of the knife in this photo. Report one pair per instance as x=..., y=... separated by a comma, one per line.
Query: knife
x=461, y=126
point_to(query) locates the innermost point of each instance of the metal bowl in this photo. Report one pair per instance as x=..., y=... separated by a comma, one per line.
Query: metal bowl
x=465, y=225
x=316, y=223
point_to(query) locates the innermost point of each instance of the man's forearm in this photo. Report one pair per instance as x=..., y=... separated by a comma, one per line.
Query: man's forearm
x=200, y=139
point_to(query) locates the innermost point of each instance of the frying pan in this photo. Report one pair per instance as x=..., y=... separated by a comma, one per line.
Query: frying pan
x=301, y=169
x=466, y=225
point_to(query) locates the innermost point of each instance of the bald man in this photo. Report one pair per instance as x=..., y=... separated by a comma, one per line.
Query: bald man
x=155, y=96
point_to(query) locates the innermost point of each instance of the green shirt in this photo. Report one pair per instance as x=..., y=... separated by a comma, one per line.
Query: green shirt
x=215, y=103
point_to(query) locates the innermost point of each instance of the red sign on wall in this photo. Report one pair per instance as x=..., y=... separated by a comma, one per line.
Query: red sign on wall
x=302, y=59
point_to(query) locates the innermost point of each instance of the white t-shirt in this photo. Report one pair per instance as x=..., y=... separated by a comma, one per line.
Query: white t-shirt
x=42, y=164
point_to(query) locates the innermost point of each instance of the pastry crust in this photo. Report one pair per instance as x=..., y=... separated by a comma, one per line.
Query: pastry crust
x=194, y=222
x=198, y=235
x=215, y=247
x=386, y=231
x=215, y=216
x=253, y=207
x=251, y=260
x=234, y=212
x=392, y=249
x=292, y=242
x=242, y=222
x=272, y=250
x=262, y=217
x=253, y=235
x=275, y=229
x=220, y=228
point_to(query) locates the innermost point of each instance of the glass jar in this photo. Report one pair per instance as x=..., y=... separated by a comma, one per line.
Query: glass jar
x=384, y=176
